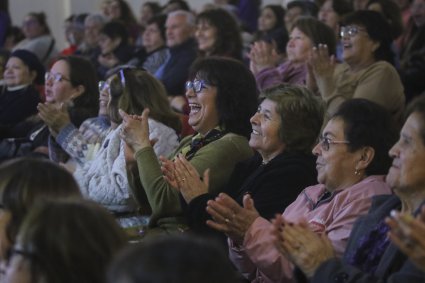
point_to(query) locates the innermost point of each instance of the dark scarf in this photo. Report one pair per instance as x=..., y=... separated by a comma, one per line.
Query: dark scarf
x=198, y=141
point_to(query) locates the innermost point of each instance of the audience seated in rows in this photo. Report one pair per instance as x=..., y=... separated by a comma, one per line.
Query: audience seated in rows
x=351, y=161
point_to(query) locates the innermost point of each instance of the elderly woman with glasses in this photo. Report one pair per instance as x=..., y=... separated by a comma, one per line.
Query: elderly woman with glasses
x=351, y=161
x=222, y=97
x=367, y=70
x=378, y=239
x=103, y=178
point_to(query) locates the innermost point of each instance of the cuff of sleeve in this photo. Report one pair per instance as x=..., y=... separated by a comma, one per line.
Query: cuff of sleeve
x=65, y=133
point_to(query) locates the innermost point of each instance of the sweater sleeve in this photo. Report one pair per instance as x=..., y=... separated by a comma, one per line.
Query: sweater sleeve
x=220, y=156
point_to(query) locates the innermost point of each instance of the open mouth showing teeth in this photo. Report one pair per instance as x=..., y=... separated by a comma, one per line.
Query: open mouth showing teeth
x=194, y=108
x=255, y=132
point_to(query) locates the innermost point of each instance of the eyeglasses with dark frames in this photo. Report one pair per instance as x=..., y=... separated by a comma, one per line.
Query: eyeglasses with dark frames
x=196, y=85
x=56, y=77
x=325, y=142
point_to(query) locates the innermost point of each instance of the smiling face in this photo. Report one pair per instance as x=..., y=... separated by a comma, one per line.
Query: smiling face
x=336, y=166
x=206, y=36
x=203, y=116
x=407, y=173
x=17, y=73
x=358, y=48
x=62, y=90
x=266, y=124
x=298, y=47
x=267, y=20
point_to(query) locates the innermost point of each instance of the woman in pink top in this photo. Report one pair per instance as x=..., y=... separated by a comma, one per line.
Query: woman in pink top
x=351, y=159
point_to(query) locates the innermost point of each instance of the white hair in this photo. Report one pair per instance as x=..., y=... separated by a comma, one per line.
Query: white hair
x=190, y=18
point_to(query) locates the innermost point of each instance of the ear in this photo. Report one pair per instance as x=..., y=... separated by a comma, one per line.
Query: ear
x=366, y=155
x=78, y=90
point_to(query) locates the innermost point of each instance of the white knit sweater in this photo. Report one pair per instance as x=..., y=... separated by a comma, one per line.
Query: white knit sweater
x=104, y=179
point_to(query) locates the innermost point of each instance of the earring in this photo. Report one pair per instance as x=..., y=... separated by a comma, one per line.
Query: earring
x=357, y=173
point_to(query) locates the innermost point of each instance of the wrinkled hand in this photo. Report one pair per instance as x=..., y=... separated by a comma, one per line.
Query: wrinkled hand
x=322, y=64
x=188, y=180
x=54, y=115
x=135, y=131
x=262, y=55
x=407, y=233
x=229, y=217
x=300, y=245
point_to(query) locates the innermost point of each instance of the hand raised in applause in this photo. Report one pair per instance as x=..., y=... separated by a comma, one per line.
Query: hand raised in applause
x=54, y=115
x=186, y=179
x=135, y=130
x=322, y=64
x=229, y=217
x=299, y=244
x=407, y=233
x=263, y=55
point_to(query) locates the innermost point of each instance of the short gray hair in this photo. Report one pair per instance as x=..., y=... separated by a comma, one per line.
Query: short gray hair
x=190, y=18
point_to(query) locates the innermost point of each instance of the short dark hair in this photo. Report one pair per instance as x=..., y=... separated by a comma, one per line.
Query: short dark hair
x=378, y=30
x=301, y=115
x=391, y=11
x=317, y=31
x=159, y=21
x=116, y=29
x=237, y=97
x=308, y=8
x=417, y=105
x=178, y=259
x=228, y=39
x=369, y=124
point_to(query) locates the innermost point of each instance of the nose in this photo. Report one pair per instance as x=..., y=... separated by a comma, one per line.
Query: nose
x=254, y=118
x=190, y=92
x=317, y=149
x=394, y=151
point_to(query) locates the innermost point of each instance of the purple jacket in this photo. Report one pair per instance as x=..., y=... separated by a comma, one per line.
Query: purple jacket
x=260, y=261
x=286, y=72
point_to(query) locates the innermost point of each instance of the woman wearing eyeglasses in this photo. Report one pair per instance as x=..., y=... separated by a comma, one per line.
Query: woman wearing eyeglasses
x=366, y=72
x=222, y=97
x=103, y=175
x=351, y=161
